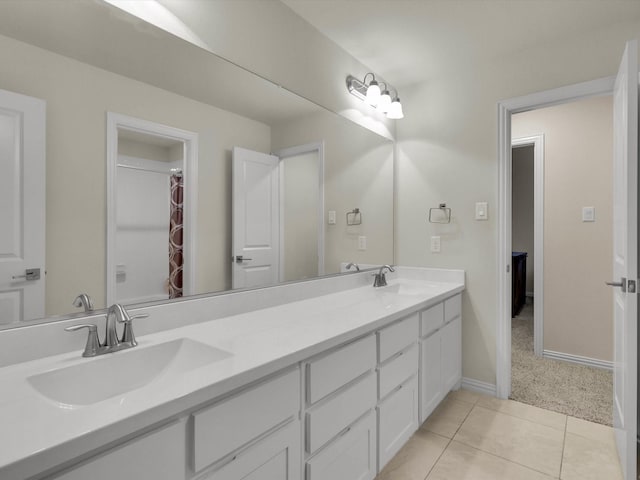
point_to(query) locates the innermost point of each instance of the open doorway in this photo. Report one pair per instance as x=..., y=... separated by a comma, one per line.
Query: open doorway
x=563, y=360
x=150, y=211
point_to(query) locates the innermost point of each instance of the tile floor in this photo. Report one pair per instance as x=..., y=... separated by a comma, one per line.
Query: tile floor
x=476, y=437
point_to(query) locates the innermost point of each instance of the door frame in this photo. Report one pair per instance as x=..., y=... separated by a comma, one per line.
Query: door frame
x=506, y=108
x=290, y=152
x=117, y=121
x=537, y=142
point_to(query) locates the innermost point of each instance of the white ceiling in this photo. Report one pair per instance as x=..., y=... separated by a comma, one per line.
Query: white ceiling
x=409, y=41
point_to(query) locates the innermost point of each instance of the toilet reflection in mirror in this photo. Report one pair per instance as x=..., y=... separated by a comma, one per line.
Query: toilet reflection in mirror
x=150, y=210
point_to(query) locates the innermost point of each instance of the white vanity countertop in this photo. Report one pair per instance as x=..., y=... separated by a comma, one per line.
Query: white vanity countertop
x=38, y=433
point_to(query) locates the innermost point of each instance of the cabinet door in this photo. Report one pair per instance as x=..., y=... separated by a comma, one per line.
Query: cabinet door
x=431, y=392
x=451, y=354
x=397, y=420
x=160, y=455
x=351, y=456
x=276, y=457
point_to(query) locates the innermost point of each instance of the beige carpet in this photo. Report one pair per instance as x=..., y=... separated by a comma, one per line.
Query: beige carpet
x=576, y=390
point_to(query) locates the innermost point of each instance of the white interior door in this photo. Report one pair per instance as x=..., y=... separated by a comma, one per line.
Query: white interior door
x=22, y=207
x=625, y=257
x=256, y=224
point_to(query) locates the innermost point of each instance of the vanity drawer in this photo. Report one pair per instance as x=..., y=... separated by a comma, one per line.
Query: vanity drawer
x=398, y=336
x=431, y=319
x=397, y=370
x=452, y=308
x=351, y=457
x=329, y=373
x=337, y=413
x=220, y=429
x=397, y=420
x=160, y=455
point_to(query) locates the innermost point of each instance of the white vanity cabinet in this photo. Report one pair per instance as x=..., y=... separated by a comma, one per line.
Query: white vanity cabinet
x=340, y=430
x=251, y=435
x=254, y=432
x=452, y=344
x=440, y=353
x=397, y=408
x=160, y=455
x=275, y=457
x=341, y=414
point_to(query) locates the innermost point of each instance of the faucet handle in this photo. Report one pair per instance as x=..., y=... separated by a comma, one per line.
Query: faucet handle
x=128, y=335
x=134, y=317
x=93, y=343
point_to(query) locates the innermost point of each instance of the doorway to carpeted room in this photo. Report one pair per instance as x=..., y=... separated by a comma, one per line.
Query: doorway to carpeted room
x=577, y=390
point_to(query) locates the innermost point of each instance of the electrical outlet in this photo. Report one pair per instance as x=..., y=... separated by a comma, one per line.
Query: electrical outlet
x=362, y=242
x=588, y=214
x=435, y=244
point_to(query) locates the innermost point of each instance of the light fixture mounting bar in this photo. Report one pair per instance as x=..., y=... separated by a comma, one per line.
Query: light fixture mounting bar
x=356, y=88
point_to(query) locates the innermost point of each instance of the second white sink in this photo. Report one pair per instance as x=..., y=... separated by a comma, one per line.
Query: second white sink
x=114, y=374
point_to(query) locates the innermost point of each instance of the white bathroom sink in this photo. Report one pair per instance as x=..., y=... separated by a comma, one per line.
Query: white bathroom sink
x=114, y=374
x=407, y=288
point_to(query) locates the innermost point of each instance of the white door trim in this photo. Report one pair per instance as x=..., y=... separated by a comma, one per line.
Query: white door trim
x=290, y=152
x=117, y=121
x=602, y=86
x=537, y=141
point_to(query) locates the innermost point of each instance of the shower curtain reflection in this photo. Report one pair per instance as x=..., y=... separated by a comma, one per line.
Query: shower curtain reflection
x=176, y=258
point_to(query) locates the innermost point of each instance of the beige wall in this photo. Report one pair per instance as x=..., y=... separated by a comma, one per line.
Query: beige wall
x=268, y=38
x=447, y=151
x=522, y=207
x=358, y=174
x=78, y=97
x=134, y=148
x=301, y=191
x=577, y=255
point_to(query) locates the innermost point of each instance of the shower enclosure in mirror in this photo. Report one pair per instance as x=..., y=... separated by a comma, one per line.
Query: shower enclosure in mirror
x=84, y=59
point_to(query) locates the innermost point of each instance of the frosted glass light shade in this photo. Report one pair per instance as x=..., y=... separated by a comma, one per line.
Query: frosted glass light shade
x=395, y=110
x=385, y=102
x=373, y=93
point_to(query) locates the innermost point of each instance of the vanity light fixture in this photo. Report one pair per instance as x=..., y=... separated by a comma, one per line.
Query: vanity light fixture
x=395, y=109
x=385, y=100
x=371, y=93
x=373, y=90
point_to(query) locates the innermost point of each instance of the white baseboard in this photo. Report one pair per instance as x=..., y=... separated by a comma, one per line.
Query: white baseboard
x=479, y=387
x=567, y=357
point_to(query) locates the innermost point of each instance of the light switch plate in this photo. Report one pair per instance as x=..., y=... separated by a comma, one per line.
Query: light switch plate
x=482, y=211
x=435, y=244
x=332, y=217
x=588, y=214
x=362, y=242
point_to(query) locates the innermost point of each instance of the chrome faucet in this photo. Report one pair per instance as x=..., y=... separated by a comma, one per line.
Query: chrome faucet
x=118, y=314
x=380, y=280
x=83, y=300
x=351, y=264
x=115, y=314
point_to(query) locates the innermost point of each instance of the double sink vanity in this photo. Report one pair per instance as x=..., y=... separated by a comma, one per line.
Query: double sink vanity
x=317, y=380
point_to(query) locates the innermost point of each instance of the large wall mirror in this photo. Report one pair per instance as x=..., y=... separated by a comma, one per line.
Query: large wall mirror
x=183, y=118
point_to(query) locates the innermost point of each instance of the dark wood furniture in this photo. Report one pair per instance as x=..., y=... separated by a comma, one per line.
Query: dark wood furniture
x=518, y=281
